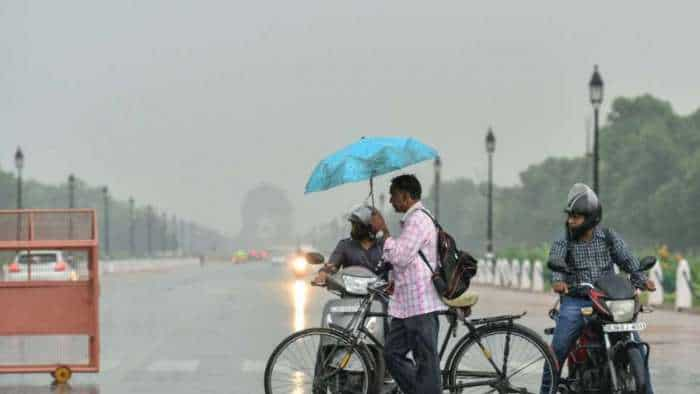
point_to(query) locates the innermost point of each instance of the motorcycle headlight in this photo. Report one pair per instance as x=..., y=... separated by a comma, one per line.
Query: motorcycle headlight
x=299, y=265
x=621, y=311
x=357, y=284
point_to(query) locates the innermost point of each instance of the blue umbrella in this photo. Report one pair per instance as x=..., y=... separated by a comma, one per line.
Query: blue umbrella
x=367, y=158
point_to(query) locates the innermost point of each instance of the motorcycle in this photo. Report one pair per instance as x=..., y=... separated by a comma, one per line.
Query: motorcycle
x=608, y=357
x=350, y=284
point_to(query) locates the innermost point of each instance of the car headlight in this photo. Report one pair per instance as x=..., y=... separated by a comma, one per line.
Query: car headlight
x=357, y=284
x=621, y=311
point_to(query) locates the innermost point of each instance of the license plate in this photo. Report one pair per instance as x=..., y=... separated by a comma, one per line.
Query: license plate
x=624, y=327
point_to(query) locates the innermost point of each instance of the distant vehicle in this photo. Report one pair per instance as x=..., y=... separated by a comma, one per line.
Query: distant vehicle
x=240, y=256
x=258, y=254
x=43, y=264
x=297, y=260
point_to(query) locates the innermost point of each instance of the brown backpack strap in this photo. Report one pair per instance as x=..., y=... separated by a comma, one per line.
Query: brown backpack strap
x=425, y=260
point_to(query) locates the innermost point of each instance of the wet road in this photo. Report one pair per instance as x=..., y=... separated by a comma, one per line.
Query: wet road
x=210, y=330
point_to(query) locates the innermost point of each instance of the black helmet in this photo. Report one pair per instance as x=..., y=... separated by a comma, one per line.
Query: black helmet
x=361, y=219
x=583, y=201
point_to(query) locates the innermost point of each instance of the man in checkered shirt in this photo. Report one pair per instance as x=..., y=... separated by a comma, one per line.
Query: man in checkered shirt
x=415, y=304
x=591, y=253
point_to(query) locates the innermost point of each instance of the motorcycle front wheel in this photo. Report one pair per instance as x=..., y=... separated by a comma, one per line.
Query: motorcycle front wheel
x=635, y=382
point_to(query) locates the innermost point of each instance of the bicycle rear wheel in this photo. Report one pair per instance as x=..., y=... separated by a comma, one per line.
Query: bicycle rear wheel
x=317, y=361
x=526, y=354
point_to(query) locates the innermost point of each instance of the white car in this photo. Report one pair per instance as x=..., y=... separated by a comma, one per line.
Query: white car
x=43, y=264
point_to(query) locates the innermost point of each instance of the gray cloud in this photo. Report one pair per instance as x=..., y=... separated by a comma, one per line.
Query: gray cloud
x=188, y=105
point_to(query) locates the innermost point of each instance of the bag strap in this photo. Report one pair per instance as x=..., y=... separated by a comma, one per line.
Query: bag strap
x=438, y=228
x=610, y=243
x=425, y=260
x=435, y=222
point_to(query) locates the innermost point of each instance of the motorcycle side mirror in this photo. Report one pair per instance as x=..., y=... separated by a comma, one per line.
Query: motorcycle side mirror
x=314, y=258
x=558, y=265
x=647, y=263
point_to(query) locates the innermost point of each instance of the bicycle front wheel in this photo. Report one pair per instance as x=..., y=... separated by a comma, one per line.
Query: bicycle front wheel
x=317, y=361
x=502, y=358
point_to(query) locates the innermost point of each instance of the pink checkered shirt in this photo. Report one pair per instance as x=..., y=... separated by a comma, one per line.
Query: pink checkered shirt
x=414, y=293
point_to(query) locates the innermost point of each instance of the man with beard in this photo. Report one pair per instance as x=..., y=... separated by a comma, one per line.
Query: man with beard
x=591, y=252
x=361, y=249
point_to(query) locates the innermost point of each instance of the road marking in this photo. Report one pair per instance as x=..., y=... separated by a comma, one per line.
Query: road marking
x=174, y=366
x=253, y=366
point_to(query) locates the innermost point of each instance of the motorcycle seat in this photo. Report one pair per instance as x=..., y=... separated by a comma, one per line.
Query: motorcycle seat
x=467, y=299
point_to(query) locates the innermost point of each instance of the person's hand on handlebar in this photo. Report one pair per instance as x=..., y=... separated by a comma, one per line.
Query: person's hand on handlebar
x=650, y=285
x=560, y=287
x=320, y=279
x=390, y=288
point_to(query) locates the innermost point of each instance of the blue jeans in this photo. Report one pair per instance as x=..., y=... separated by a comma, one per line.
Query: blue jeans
x=418, y=334
x=570, y=323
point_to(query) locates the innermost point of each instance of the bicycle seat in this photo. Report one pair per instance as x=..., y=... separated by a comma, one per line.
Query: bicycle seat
x=467, y=299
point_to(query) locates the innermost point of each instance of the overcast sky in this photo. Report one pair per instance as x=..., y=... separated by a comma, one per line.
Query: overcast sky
x=189, y=104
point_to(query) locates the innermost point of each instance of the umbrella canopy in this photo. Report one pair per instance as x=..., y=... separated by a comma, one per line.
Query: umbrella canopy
x=367, y=158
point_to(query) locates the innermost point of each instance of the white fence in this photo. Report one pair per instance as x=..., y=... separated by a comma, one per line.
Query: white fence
x=529, y=276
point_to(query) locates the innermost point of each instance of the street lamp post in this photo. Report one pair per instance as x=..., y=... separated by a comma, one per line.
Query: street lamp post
x=132, y=245
x=71, y=203
x=174, y=235
x=105, y=193
x=490, y=148
x=149, y=228
x=19, y=165
x=438, y=168
x=164, y=233
x=596, y=95
x=71, y=191
x=194, y=240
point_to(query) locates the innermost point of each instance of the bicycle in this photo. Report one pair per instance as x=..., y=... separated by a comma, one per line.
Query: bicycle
x=341, y=363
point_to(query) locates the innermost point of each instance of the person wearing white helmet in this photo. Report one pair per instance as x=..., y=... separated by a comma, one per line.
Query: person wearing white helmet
x=363, y=248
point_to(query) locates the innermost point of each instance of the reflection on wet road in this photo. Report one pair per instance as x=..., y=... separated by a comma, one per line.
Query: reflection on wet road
x=299, y=293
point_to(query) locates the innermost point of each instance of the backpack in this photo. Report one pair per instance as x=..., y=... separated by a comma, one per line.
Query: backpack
x=455, y=267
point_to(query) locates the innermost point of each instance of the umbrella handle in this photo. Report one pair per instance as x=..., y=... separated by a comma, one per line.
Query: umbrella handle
x=371, y=189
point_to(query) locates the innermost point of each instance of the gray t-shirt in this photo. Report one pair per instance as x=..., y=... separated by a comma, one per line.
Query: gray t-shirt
x=350, y=252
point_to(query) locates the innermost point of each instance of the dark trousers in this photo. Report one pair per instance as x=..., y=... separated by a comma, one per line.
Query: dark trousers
x=570, y=323
x=419, y=335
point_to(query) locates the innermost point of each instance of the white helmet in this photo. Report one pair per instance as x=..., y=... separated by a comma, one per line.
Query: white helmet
x=361, y=218
x=361, y=215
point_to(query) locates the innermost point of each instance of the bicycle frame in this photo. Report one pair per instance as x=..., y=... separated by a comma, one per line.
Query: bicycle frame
x=357, y=331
